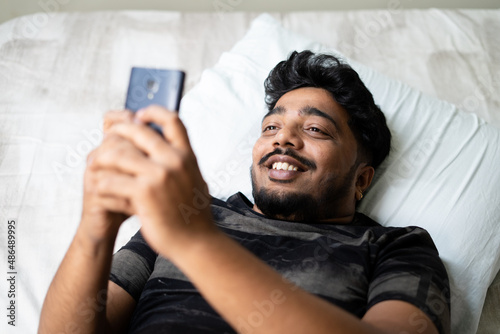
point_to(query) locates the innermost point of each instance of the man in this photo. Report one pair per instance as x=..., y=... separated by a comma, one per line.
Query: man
x=299, y=260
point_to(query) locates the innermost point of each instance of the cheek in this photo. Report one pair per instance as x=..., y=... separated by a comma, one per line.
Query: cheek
x=324, y=155
x=332, y=158
x=257, y=152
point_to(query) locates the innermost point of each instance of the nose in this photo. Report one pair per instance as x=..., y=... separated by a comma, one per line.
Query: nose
x=288, y=137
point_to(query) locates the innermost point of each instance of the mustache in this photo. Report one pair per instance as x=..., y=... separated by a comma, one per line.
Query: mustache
x=290, y=153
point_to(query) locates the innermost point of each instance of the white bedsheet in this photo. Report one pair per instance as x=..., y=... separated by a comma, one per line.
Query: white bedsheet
x=58, y=76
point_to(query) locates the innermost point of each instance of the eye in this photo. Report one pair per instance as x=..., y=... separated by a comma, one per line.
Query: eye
x=318, y=132
x=314, y=129
x=270, y=128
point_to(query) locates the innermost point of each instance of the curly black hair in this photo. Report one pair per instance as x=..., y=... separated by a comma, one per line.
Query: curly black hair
x=366, y=120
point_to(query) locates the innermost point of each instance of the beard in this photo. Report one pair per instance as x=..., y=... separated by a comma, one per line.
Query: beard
x=315, y=205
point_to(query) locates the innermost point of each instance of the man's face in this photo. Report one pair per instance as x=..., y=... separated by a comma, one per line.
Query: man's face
x=305, y=161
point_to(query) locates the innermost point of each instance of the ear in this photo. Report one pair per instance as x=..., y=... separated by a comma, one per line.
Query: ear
x=364, y=179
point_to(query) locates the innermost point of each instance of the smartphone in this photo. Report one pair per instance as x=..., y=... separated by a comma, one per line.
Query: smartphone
x=154, y=86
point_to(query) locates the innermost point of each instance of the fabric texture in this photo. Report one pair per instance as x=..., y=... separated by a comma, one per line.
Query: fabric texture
x=353, y=266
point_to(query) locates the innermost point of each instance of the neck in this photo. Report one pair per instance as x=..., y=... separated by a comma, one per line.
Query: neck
x=337, y=219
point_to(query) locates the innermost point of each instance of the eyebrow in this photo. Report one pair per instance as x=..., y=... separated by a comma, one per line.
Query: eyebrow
x=307, y=110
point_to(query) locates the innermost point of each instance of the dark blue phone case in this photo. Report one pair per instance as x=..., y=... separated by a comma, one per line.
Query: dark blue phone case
x=149, y=86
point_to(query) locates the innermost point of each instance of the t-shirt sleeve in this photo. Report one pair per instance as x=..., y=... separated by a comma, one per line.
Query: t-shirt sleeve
x=408, y=268
x=132, y=265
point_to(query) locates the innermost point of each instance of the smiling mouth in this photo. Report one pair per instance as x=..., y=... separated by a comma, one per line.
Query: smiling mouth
x=284, y=169
x=283, y=172
x=284, y=166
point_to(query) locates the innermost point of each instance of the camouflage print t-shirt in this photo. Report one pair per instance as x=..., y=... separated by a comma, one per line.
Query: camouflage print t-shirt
x=353, y=266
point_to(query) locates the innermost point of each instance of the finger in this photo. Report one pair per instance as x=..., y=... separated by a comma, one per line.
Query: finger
x=119, y=154
x=116, y=204
x=146, y=140
x=104, y=202
x=173, y=128
x=116, y=116
x=108, y=183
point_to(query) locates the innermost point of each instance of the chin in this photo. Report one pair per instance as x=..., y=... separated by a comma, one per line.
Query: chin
x=282, y=200
x=286, y=204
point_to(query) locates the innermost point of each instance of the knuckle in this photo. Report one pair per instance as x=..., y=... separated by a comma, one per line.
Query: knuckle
x=109, y=119
x=100, y=159
x=91, y=183
x=106, y=124
x=171, y=117
x=102, y=183
x=112, y=149
x=157, y=143
x=111, y=139
x=117, y=115
x=108, y=116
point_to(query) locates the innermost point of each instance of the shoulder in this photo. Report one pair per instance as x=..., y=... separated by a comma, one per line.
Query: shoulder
x=402, y=236
x=406, y=266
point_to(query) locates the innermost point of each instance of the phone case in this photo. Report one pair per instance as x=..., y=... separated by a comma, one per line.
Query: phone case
x=149, y=86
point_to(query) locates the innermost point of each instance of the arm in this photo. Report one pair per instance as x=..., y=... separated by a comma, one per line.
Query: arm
x=78, y=293
x=254, y=298
x=250, y=295
x=76, y=298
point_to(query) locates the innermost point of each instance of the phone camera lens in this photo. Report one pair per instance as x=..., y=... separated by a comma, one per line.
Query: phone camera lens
x=152, y=85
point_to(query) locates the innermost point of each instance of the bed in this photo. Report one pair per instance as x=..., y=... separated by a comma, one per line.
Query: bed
x=436, y=73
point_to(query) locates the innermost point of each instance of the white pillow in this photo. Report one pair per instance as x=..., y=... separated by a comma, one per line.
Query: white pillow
x=441, y=174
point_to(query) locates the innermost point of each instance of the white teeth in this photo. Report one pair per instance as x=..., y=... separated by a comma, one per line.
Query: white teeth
x=284, y=166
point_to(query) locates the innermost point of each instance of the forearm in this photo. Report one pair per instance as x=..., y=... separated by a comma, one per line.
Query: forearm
x=253, y=297
x=77, y=295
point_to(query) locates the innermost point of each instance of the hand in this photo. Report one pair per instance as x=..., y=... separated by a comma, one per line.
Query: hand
x=99, y=219
x=158, y=179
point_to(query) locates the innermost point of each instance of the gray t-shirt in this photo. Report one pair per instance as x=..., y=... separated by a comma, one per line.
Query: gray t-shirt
x=353, y=266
